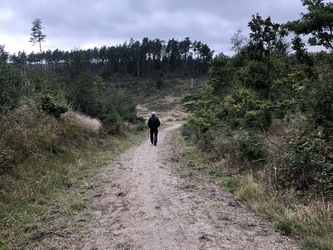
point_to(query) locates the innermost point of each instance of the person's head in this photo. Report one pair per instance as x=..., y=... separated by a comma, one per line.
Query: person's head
x=153, y=113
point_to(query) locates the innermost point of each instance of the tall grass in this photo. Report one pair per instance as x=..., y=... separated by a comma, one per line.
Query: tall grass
x=312, y=222
x=85, y=123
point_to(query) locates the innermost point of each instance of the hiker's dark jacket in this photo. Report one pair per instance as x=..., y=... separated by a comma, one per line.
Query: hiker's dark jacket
x=153, y=123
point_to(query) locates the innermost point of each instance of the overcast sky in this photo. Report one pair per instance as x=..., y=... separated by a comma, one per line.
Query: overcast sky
x=83, y=24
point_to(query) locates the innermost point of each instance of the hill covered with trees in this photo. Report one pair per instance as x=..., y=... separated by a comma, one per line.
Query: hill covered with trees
x=266, y=112
x=56, y=81
x=140, y=59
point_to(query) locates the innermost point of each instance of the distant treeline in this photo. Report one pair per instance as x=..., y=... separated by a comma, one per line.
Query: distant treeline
x=141, y=59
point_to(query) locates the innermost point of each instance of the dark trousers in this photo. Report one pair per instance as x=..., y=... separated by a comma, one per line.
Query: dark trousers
x=153, y=136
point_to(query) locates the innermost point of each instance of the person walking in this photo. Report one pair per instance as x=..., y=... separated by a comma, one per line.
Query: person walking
x=153, y=124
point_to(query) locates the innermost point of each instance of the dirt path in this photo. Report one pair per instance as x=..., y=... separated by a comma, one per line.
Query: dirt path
x=144, y=204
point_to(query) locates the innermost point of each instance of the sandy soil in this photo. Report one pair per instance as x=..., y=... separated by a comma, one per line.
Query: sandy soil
x=141, y=202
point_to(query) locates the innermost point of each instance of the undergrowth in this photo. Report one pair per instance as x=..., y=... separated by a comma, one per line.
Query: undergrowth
x=41, y=158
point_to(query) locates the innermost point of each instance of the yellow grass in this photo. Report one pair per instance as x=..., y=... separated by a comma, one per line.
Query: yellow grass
x=86, y=123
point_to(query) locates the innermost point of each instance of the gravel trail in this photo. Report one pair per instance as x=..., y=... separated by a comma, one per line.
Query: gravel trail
x=142, y=203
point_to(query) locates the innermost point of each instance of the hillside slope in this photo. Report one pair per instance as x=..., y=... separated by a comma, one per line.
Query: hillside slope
x=166, y=98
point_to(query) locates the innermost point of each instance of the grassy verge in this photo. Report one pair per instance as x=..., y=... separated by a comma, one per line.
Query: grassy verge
x=311, y=221
x=49, y=187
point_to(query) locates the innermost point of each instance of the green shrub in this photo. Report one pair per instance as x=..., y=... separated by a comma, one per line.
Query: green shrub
x=260, y=116
x=249, y=147
x=309, y=163
x=112, y=121
x=52, y=106
x=9, y=87
x=124, y=106
x=186, y=132
x=246, y=108
x=114, y=108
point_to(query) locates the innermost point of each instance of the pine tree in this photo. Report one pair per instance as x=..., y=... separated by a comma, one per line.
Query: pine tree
x=37, y=36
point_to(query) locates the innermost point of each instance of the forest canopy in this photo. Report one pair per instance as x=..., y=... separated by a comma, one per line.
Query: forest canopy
x=145, y=58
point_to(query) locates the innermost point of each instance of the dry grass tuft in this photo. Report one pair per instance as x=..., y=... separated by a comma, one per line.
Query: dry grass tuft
x=250, y=190
x=85, y=123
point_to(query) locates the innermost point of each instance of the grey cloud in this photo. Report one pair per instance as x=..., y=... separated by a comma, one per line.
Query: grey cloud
x=85, y=22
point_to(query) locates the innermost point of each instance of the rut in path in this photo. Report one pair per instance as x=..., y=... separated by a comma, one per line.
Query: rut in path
x=144, y=204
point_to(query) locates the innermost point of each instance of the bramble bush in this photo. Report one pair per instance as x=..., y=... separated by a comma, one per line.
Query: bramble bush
x=309, y=166
x=309, y=163
x=249, y=146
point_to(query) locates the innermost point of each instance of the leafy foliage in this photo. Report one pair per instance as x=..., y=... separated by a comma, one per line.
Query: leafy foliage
x=245, y=106
x=249, y=147
x=115, y=109
x=262, y=83
x=317, y=23
x=309, y=166
x=9, y=87
x=54, y=107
